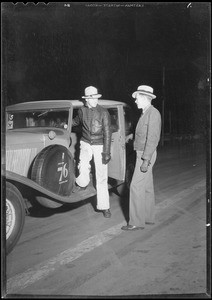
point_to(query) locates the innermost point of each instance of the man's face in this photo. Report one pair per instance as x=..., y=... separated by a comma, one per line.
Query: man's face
x=92, y=102
x=142, y=101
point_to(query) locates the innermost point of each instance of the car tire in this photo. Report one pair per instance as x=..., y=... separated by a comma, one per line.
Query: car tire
x=15, y=216
x=53, y=169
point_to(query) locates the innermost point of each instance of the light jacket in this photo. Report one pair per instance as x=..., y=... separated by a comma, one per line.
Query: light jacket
x=147, y=133
x=95, y=126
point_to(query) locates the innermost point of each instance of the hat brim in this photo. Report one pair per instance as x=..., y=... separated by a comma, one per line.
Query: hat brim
x=143, y=93
x=92, y=96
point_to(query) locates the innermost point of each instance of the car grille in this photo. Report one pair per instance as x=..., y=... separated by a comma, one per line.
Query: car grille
x=19, y=161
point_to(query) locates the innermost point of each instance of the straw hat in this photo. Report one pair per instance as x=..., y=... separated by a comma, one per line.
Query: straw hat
x=144, y=89
x=91, y=92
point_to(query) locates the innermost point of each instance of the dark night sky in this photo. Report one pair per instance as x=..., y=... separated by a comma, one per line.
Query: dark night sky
x=54, y=51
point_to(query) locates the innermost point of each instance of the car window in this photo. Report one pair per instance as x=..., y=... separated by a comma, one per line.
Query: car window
x=130, y=120
x=39, y=118
x=113, y=111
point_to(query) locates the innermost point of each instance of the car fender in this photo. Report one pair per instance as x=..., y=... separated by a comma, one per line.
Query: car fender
x=14, y=177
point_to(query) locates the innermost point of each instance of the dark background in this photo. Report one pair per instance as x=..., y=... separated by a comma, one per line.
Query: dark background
x=54, y=51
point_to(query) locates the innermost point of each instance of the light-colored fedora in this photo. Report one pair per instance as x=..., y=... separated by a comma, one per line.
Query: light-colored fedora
x=91, y=92
x=144, y=89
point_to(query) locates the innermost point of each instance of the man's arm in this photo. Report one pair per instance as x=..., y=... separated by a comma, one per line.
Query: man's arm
x=106, y=137
x=77, y=120
x=153, y=134
x=152, y=140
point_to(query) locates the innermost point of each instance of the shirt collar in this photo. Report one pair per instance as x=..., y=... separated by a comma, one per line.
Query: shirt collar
x=146, y=108
x=93, y=108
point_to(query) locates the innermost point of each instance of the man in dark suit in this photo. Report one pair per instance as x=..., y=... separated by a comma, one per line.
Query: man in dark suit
x=147, y=136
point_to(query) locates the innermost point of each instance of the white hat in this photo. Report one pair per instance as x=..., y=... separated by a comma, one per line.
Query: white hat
x=144, y=89
x=91, y=92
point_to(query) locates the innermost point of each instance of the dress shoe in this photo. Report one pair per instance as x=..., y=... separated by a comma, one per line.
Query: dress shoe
x=106, y=213
x=131, y=227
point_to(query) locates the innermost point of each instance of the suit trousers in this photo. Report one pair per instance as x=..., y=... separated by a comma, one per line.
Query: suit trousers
x=87, y=152
x=142, y=197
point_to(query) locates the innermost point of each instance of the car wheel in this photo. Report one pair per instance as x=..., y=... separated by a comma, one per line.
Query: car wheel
x=53, y=169
x=15, y=216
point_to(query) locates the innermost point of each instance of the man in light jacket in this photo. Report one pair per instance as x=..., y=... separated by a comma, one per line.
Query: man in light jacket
x=147, y=136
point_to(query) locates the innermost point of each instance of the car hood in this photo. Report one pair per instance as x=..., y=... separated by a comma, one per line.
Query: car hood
x=29, y=135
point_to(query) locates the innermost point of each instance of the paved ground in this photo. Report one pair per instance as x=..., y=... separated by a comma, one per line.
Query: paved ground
x=78, y=253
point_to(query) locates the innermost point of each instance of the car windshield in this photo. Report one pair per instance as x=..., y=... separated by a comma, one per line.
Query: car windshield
x=38, y=118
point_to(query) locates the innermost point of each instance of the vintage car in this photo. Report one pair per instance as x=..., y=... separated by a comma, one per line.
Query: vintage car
x=42, y=150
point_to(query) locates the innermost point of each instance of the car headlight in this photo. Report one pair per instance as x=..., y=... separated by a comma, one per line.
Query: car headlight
x=52, y=135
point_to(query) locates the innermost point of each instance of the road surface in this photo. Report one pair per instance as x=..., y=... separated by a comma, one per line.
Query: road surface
x=75, y=251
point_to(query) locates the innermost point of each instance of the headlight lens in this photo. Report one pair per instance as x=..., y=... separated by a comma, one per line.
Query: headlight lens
x=52, y=135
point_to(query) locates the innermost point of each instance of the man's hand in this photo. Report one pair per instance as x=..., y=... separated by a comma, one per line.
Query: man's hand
x=144, y=166
x=128, y=137
x=105, y=158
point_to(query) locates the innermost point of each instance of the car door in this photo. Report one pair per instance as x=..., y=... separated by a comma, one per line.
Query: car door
x=117, y=164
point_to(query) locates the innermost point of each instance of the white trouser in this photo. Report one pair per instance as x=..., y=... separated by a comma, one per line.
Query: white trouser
x=88, y=151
